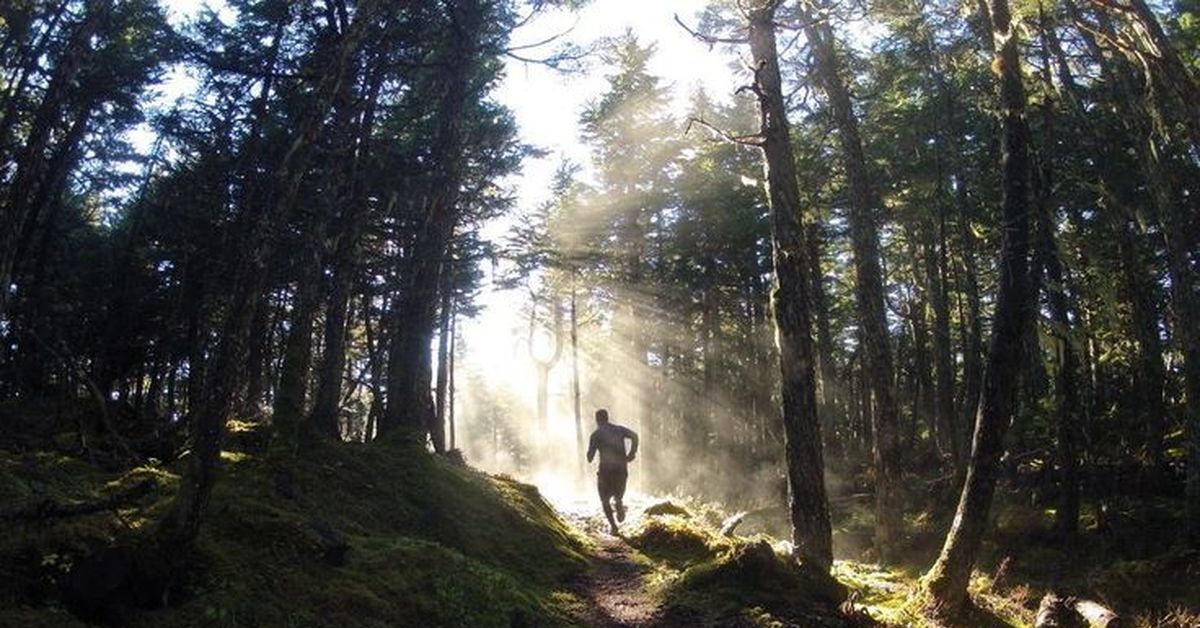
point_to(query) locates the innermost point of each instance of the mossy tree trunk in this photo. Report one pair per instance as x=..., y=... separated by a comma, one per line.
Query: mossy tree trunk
x=808, y=504
x=946, y=582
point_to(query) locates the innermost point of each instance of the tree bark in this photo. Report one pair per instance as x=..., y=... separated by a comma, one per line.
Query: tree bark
x=808, y=504
x=1142, y=289
x=946, y=582
x=1067, y=401
x=943, y=368
x=327, y=400
x=830, y=389
x=869, y=295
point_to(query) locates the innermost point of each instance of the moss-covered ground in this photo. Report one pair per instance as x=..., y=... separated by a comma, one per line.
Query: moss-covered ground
x=426, y=543
x=388, y=535
x=708, y=579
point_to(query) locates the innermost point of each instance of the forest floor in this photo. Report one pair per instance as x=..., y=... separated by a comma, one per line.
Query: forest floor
x=669, y=568
x=383, y=534
x=617, y=590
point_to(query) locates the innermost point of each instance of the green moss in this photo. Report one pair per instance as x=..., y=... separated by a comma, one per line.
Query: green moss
x=748, y=582
x=885, y=594
x=430, y=542
x=667, y=508
x=675, y=540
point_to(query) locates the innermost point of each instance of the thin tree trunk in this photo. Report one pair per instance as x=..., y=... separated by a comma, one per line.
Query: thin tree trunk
x=450, y=395
x=830, y=388
x=31, y=159
x=288, y=414
x=180, y=526
x=1067, y=402
x=947, y=580
x=935, y=269
x=575, y=397
x=973, y=325
x=924, y=402
x=869, y=294
x=1142, y=289
x=438, y=429
x=327, y=399
x=410, y=403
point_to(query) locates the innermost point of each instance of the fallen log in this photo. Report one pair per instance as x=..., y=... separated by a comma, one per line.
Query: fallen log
x=50, y=509
x=1057, y=611
x=729, y=526
x=1097, y=615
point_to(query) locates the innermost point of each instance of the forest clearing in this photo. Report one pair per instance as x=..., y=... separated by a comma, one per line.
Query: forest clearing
x=875, y=312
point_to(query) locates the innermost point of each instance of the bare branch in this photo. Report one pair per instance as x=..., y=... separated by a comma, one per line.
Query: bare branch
x=708, y=39
x=1118, y=43
x=802, y=25
x=552, y=61
x=548, y=40
x=755, y=139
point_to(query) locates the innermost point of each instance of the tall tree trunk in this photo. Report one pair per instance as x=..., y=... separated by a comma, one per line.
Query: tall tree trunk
x=1171, y=81
x=1140, y=284
x=924, y=401
x=935, y=269
x=410, y=402
x=575, y=373
x=446, y=311
x=288, y=414
x=869, y=294
x=972, y=336
x=809, y=507
x=830, y=390
x=256, y=361
x=450, y=394
x=544, y=366
x=327, y=399
x=947, y=580
x=1067, y=402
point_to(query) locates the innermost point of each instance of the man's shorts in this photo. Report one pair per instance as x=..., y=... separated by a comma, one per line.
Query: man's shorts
x=611, y=482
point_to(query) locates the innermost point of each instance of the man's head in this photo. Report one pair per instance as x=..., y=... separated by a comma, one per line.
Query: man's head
x=602, y=416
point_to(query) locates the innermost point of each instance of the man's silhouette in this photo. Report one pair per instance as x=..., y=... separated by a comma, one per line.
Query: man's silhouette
x=609, y=440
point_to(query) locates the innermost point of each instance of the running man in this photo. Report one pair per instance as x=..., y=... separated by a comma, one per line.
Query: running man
x=609, y=440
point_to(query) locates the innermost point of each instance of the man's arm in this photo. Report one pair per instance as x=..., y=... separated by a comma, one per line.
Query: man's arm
x=592, y=447
x=631, y=435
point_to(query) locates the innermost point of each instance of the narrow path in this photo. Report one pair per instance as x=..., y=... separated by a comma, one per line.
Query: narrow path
x=614, y=591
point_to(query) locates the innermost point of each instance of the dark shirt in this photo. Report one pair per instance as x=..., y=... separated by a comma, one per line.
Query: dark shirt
x=609, y=440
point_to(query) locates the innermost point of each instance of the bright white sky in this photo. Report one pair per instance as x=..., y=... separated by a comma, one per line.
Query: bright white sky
x=547, y=105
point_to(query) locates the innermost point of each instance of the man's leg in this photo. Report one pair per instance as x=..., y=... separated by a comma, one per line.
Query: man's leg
x=619, y=481
x=605, y=490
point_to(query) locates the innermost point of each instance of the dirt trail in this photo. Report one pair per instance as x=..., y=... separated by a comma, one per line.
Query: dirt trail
x=614, y=590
